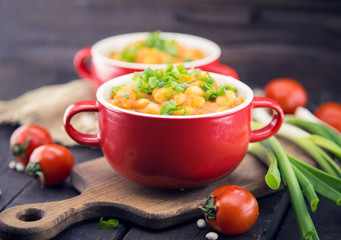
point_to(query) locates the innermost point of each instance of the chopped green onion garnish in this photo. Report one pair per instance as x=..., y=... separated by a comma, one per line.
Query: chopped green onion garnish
x=166, y=108
x=224, y=88
x=195, y=71
x=169, y=95
x=129, y=53
x=154, y=40
x=125, y=95
x=206, y=86
x=152, y=82
x=210, y=95
x=114, y=90
x=173, y=78
x=145, y=82
x=110, y=224
x=170, y=106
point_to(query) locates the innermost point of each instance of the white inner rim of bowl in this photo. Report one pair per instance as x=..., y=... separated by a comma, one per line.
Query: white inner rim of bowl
x=102, y=48
x=104, y=94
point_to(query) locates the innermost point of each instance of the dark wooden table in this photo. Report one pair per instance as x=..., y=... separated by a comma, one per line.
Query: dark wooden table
x=260, y=39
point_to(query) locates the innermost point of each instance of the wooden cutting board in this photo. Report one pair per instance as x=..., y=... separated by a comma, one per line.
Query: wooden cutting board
x=104, y=193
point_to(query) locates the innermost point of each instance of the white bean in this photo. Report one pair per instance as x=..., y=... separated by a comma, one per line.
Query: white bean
x=19, y=167
x=12, y=164
x=212, y=236
x=141, y=103
x=195, y=101
x=179, y=98
x=194, y=91
x=162, y=94
x=151, y=108
x=201, y=223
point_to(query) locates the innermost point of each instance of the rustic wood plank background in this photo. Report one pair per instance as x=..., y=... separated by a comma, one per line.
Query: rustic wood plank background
x=260, y=39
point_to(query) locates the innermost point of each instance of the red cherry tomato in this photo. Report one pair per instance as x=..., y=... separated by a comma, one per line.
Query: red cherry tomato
x=330, y=112
x=288, y=92
x=50, y=164
x=26, y=138
x=231, y=210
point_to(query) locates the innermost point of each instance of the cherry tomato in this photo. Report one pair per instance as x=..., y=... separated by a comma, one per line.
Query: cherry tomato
x=50, y=164
x=330, y=112
x=26, y=138
x=231, y=210
x=289, y=93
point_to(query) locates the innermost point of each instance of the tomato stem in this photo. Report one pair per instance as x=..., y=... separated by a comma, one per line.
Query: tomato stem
x=209, y=208
x=33, y=170
x=19, y=149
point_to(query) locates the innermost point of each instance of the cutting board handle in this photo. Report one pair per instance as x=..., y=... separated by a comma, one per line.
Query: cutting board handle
x=45, y=220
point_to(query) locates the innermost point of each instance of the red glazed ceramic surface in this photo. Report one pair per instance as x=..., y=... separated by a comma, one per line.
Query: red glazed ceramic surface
x=103, y=68
x=173, y=151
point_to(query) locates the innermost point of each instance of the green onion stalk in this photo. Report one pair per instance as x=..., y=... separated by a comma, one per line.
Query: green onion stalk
x=314, y=125
x=299, y=179
x=273, y=175
x=307, y=188
x=315, y=145
x=323, y=183
x=291, y=183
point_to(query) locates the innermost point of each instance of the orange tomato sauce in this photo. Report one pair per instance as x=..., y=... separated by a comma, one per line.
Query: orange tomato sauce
x=189, y=102
x=139, y=52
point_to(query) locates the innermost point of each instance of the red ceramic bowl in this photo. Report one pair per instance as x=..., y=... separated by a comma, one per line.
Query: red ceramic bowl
x=173, y=151
x=103, y=68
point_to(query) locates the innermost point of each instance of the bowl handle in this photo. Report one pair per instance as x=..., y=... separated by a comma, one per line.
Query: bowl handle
x=217, y=67
x=80, y=63
x=275, y=124
x=92, y=140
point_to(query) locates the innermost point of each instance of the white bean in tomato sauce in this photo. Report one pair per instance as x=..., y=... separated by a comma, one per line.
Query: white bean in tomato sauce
x=189, y=93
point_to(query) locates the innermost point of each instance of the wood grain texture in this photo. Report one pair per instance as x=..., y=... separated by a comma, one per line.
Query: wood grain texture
x=106, y=193
x=270, y=208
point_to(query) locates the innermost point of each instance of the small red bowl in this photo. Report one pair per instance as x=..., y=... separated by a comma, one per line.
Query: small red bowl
x=102, y=68
x=173, y=151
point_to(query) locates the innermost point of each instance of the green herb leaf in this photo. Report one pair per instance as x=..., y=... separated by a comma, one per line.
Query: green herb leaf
x=206, y=86
x=148, y=80
x=152, y=82
x=210, y=95
x=170, y=106
x=180, y=108
x=166, y=108
x=125, y=95
x=129, y=53
x=221, y=90
x=110, y=224
x=115, y=90
x=195, y=71
x=154, y=40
